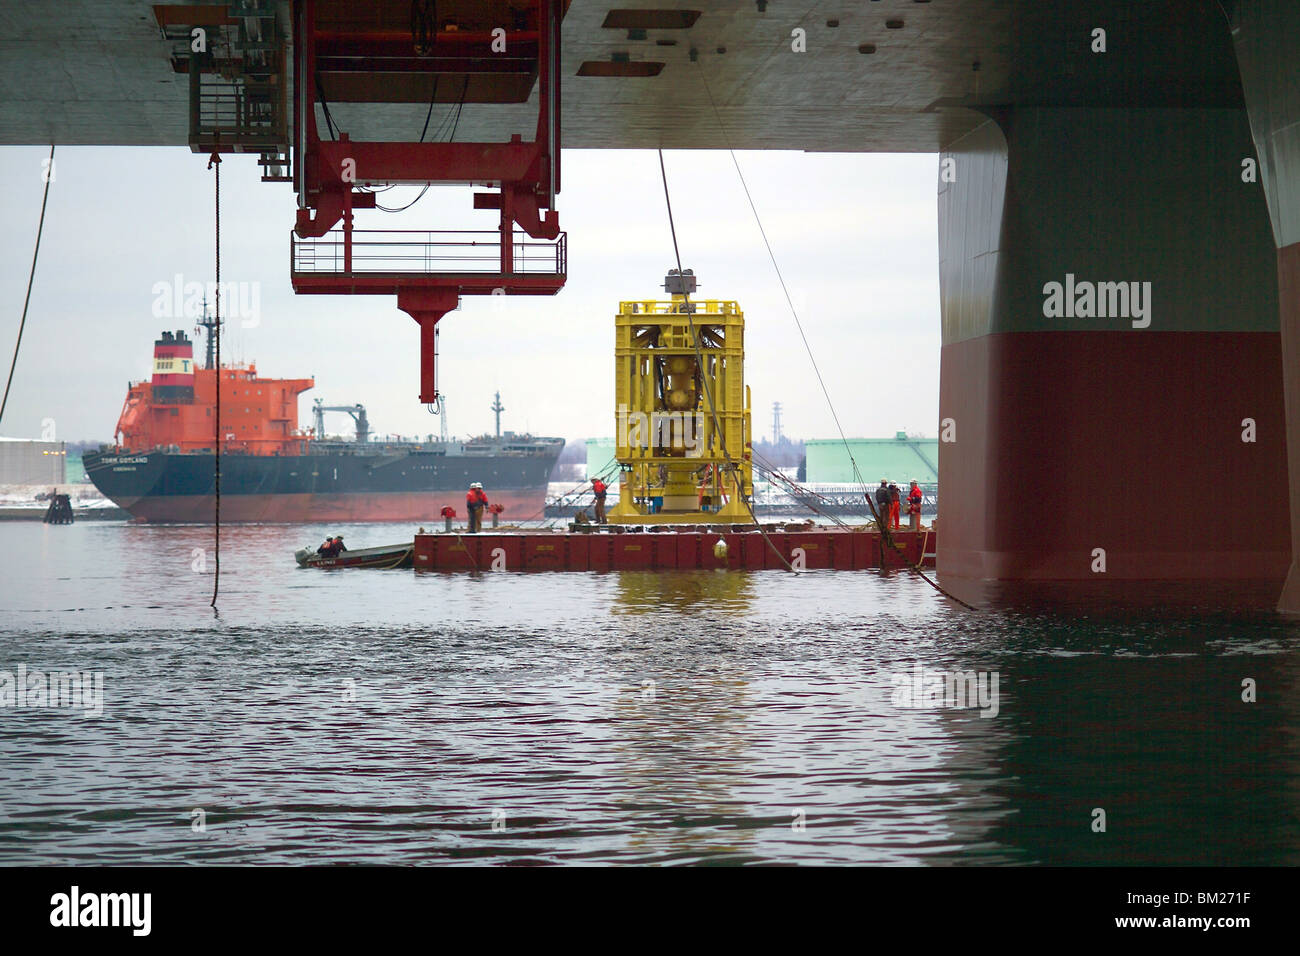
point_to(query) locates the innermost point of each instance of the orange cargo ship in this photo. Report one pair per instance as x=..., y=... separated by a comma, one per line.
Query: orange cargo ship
x=161, y=467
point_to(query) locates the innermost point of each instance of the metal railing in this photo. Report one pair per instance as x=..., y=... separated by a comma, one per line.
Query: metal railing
x=695, y=307
x=240, y=114
x=426, y=252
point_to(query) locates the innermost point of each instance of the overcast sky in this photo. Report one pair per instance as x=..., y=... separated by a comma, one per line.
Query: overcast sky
x=854, y=234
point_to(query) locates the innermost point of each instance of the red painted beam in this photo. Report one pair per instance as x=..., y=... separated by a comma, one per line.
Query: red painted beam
x=429, y=65
x=428, y=162
x=371, y=46
x=198, y=15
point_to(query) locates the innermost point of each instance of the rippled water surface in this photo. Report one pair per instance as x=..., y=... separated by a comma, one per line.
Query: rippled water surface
x=390, y=717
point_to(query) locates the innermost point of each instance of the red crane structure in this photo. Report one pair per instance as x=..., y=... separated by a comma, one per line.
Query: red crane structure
x=390, y=51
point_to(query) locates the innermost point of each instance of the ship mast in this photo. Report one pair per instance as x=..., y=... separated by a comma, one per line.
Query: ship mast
x=209, y=325
x=498, y=408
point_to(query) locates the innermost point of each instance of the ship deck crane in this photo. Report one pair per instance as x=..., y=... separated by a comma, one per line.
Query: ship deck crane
x=358, y=413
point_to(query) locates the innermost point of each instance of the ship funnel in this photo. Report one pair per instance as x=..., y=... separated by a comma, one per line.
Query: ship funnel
x=173, y=369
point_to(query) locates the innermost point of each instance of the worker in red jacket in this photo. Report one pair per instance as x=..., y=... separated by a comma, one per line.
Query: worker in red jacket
x=914, y=498
x=475, y=501
x=598, y=492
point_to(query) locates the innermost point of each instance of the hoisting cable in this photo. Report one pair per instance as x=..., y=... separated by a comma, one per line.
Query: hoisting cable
x=214, y=163
x=429, y=115
x=325, y=109
x=436, y=133
x=884, y=531
x=460, y=106
x=384, y=208
x=40, y=227
x=704, y=379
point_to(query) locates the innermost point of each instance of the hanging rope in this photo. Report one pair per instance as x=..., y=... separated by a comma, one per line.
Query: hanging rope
x=40, y=227
x=214, y=163
x=885, y=535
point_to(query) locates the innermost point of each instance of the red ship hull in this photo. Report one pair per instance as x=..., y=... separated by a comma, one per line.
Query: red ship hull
x=1146, y=461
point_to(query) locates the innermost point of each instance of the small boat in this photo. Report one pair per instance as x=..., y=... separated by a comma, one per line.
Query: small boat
x=388, y=556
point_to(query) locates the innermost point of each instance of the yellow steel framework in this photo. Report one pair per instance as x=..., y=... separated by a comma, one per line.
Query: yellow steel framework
x=674, y=460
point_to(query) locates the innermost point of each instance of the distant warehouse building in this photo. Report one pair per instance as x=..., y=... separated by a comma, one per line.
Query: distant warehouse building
x=27, y=462
x=900, y=459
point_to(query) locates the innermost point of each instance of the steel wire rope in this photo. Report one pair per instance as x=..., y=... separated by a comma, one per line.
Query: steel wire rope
x=214, y=163
x=31, y=276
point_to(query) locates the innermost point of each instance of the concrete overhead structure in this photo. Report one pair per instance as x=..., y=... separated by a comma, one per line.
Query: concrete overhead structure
x=1119, y=209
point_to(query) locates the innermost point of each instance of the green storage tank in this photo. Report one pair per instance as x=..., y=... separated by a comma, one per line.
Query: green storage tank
x=600, y=456
x=900, y=459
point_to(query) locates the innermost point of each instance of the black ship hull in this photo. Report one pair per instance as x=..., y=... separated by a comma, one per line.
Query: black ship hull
x=404, y=485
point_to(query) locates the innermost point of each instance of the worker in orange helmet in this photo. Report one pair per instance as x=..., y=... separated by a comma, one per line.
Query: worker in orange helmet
x=598, y=492
x=475, y=500
x=914, y=498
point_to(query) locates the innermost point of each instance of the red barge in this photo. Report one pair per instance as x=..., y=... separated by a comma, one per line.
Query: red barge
x=680, y=548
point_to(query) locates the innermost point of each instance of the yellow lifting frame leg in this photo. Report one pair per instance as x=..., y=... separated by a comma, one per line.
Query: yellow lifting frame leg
x=669, y=442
